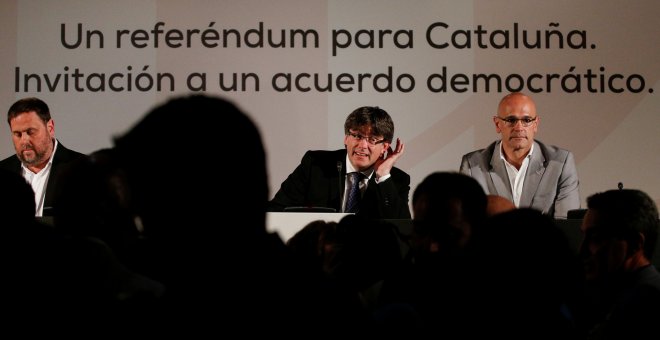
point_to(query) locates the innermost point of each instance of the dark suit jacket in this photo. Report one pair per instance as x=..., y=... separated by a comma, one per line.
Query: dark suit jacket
x=550, y=185
x=61, y=158
x=319, y=182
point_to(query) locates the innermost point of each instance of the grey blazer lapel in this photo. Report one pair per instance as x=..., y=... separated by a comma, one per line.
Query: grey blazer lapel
x=498, y=175
x=535, y=171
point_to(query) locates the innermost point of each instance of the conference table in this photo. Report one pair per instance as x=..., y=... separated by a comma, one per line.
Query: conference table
x=286, y=224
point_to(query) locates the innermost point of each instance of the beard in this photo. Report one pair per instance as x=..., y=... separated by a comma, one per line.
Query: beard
x=30, y=156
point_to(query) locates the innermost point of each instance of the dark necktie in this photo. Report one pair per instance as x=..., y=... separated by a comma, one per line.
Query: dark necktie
x=353, y=200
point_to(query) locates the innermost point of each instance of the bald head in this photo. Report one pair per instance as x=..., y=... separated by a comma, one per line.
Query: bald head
x=516, y=101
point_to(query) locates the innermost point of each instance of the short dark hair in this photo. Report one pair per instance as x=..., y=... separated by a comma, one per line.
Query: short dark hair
x=442, y=187
x=27, y=105
x=175, y=188
x=626, y=213
x=378, y=119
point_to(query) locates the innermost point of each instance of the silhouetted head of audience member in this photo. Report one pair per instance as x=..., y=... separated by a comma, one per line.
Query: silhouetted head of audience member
x=498, y=204
x=196, y=168
x=620, y=233
x=361, y=251
x=182, y=169
x=531, y=270
x=17, y=201
x=448, y=207
x=307, y=245
x=527, y=251
x=93, y=199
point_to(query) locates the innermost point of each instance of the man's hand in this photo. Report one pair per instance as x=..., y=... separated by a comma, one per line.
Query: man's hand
x=385, y=163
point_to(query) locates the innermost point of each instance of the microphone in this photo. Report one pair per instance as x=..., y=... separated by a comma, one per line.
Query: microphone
x=340, y=165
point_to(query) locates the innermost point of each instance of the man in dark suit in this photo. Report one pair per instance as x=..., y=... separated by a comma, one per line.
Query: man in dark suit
x=521, y=169
x=321, y=180
x=39, y=156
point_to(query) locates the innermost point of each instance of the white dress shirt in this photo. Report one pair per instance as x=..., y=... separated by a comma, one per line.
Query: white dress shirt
x=39, y=181
x=516, y=176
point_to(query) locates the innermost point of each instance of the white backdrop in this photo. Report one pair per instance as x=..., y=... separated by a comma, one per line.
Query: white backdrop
x=594, y=85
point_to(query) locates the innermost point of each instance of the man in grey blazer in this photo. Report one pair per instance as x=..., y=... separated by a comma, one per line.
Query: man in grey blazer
x=526, y=171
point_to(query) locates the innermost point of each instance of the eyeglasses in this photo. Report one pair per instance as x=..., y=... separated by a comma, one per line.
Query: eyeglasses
x=512, y=121
x=371, y=140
